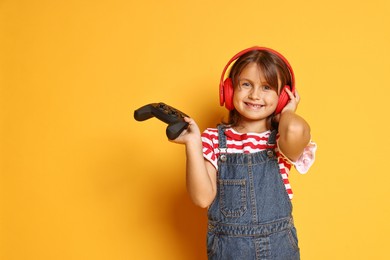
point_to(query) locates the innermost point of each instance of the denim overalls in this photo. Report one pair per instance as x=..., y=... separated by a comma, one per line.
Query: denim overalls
x=250, y=218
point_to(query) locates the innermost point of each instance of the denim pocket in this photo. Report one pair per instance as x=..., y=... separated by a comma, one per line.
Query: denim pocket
x=292, y=235
x=212, y=244
x=232, y=197
x=284, y=245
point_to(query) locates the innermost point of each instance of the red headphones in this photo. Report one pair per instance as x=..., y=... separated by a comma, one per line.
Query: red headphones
x=226, y=85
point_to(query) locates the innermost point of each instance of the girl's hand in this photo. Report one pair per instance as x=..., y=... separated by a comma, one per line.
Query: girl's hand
x=190, y=134
x=292, y=104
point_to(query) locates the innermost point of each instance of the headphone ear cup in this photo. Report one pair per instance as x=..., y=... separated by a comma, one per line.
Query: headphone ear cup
x=228, y=93
x=283, y=100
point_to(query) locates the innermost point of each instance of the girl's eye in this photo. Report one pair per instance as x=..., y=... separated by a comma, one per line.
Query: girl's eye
x=266, y=87
x=245, y=85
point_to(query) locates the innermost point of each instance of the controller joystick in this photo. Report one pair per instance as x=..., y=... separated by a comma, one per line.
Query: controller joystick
x=173, y=117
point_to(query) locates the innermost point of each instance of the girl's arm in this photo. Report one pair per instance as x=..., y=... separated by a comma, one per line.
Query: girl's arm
x=294, y=131
x=201, y=177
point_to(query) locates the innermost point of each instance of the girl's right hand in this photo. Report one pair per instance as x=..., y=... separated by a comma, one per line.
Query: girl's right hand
x=190, y=134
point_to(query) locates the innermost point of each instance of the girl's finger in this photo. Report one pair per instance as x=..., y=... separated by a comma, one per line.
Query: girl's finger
x=290, y=94
x=297, y=95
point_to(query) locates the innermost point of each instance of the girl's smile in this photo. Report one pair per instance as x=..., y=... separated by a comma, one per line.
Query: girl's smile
x=253, y=105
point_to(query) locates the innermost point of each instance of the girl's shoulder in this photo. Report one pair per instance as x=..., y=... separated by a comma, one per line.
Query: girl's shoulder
x=210, y=133
x=211, y=130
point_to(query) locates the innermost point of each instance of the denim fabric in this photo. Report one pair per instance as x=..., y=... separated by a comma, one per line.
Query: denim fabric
x=251, y=216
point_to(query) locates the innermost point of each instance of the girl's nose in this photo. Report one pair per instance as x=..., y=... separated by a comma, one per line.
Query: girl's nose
x=254, y=94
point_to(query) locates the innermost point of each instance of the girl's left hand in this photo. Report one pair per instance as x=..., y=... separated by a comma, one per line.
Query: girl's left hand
x=291, y=105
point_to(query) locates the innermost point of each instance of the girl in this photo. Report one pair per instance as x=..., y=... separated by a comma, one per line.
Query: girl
x=239, y=171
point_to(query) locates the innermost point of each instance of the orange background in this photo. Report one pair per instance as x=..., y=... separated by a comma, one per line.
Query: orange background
x=81, y=179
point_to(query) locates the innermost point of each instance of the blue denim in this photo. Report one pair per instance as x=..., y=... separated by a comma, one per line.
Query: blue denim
x=251, y=216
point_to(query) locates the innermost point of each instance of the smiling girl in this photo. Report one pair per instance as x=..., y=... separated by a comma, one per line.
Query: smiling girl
x=239, y=170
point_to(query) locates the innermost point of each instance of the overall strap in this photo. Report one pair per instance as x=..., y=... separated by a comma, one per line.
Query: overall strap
x=271, y=144
x=272, y=137
x=221, y=137
x=222, y=146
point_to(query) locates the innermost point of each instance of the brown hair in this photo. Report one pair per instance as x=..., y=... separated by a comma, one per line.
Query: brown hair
x=271, y=65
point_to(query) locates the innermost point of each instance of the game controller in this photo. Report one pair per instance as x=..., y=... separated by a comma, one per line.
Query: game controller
x=173, y=117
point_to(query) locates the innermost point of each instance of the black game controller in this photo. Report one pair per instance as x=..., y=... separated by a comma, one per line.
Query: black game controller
x=173, y=117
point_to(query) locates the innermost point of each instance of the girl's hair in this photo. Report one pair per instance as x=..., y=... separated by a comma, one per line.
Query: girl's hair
x=271, y=65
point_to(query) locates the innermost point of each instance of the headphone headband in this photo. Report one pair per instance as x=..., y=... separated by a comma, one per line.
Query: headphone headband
x=238, y=55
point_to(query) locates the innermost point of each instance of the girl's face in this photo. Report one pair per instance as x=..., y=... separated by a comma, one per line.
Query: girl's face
x=253, y=98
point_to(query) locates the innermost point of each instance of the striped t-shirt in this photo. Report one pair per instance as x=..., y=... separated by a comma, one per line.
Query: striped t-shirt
x=244, y=143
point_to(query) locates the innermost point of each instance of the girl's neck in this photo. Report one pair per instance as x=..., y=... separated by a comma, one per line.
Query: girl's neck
x=245, y=127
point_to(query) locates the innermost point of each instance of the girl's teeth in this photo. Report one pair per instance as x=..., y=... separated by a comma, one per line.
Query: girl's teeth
x=255, y=106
